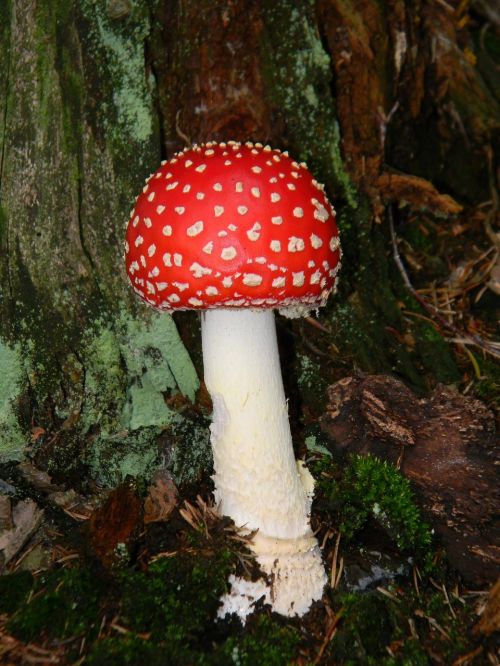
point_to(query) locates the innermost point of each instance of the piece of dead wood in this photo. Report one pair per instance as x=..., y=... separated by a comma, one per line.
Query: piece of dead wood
x=417, y=192
x=26, y=519
x=113, y=526
x=162, y=498
x=36, y=477
x=445, y=444
x=490, y=617
x=5, y=513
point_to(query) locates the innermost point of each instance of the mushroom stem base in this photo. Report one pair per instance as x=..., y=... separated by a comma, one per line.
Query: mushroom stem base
x=296, y=576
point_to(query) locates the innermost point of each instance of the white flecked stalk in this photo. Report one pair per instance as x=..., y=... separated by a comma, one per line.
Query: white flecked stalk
x=258, y=482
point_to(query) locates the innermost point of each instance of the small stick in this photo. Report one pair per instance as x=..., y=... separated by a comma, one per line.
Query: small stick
x=330, y=633
x=445, y=592
x=333, y=576
x=415, y=582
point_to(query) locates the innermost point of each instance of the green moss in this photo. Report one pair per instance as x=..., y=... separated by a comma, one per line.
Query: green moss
x=365, y=630
x=370, y=489
x=64, y=604
x=268, y=643
x=372, y=622
x=12, y=378
x=488, y=387
x=435, y=353
x=14, y=590
x=5, y=12
x=3, y=224
x=126, y=651
x=177, y=597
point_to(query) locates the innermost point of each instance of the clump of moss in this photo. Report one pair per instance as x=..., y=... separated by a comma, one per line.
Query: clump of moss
x=14, y=590
x=399, y=629
x=488, y=387
x=128, y=650
x=366, y=628
x=268, y=643
x=62, y=605
x=370, y=489
x=435, y=353
x=177, y=598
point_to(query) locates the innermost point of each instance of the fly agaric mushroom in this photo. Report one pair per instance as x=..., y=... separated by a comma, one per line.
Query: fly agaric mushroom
x=236, y=230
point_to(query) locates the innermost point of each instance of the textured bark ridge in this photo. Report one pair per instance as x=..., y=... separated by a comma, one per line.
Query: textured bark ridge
x=445, y=444
x=78, y=135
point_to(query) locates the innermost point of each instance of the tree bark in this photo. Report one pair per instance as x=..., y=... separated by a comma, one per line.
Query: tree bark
x=390, y=102
x=81, y=364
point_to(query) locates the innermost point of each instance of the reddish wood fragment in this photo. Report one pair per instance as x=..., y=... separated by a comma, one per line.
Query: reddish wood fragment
x=115, y=522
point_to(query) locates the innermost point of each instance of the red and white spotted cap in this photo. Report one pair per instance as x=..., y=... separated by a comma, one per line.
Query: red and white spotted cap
x=227, y=225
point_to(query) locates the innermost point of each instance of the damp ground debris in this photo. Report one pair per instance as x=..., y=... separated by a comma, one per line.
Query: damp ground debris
x=135, y=576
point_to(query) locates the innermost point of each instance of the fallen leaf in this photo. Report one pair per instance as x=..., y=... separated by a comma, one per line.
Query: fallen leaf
x=162, y=498
x=417, y=192
x=26, y=517
x=37, y=477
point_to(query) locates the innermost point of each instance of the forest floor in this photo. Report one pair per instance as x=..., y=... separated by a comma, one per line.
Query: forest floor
x=134, y=574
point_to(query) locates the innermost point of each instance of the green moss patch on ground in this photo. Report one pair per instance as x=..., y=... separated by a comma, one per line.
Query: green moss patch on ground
x=367, y=489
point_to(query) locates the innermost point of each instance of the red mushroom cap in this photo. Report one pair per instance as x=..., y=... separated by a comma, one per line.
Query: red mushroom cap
x=232, y=225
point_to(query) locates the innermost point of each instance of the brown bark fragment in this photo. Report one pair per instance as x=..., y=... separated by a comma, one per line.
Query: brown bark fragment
x=162, y=498
x=5, y=513
x=115, y=523
x=444, y=444
x=417, y=192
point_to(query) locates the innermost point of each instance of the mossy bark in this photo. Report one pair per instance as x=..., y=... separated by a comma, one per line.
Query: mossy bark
x=83, y=367
x=92, y=93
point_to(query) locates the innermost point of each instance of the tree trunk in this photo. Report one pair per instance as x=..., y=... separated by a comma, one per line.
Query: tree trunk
x=82, y=367
x=381, y=98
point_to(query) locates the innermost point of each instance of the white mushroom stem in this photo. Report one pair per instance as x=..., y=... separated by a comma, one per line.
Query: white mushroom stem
x=258, y=482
